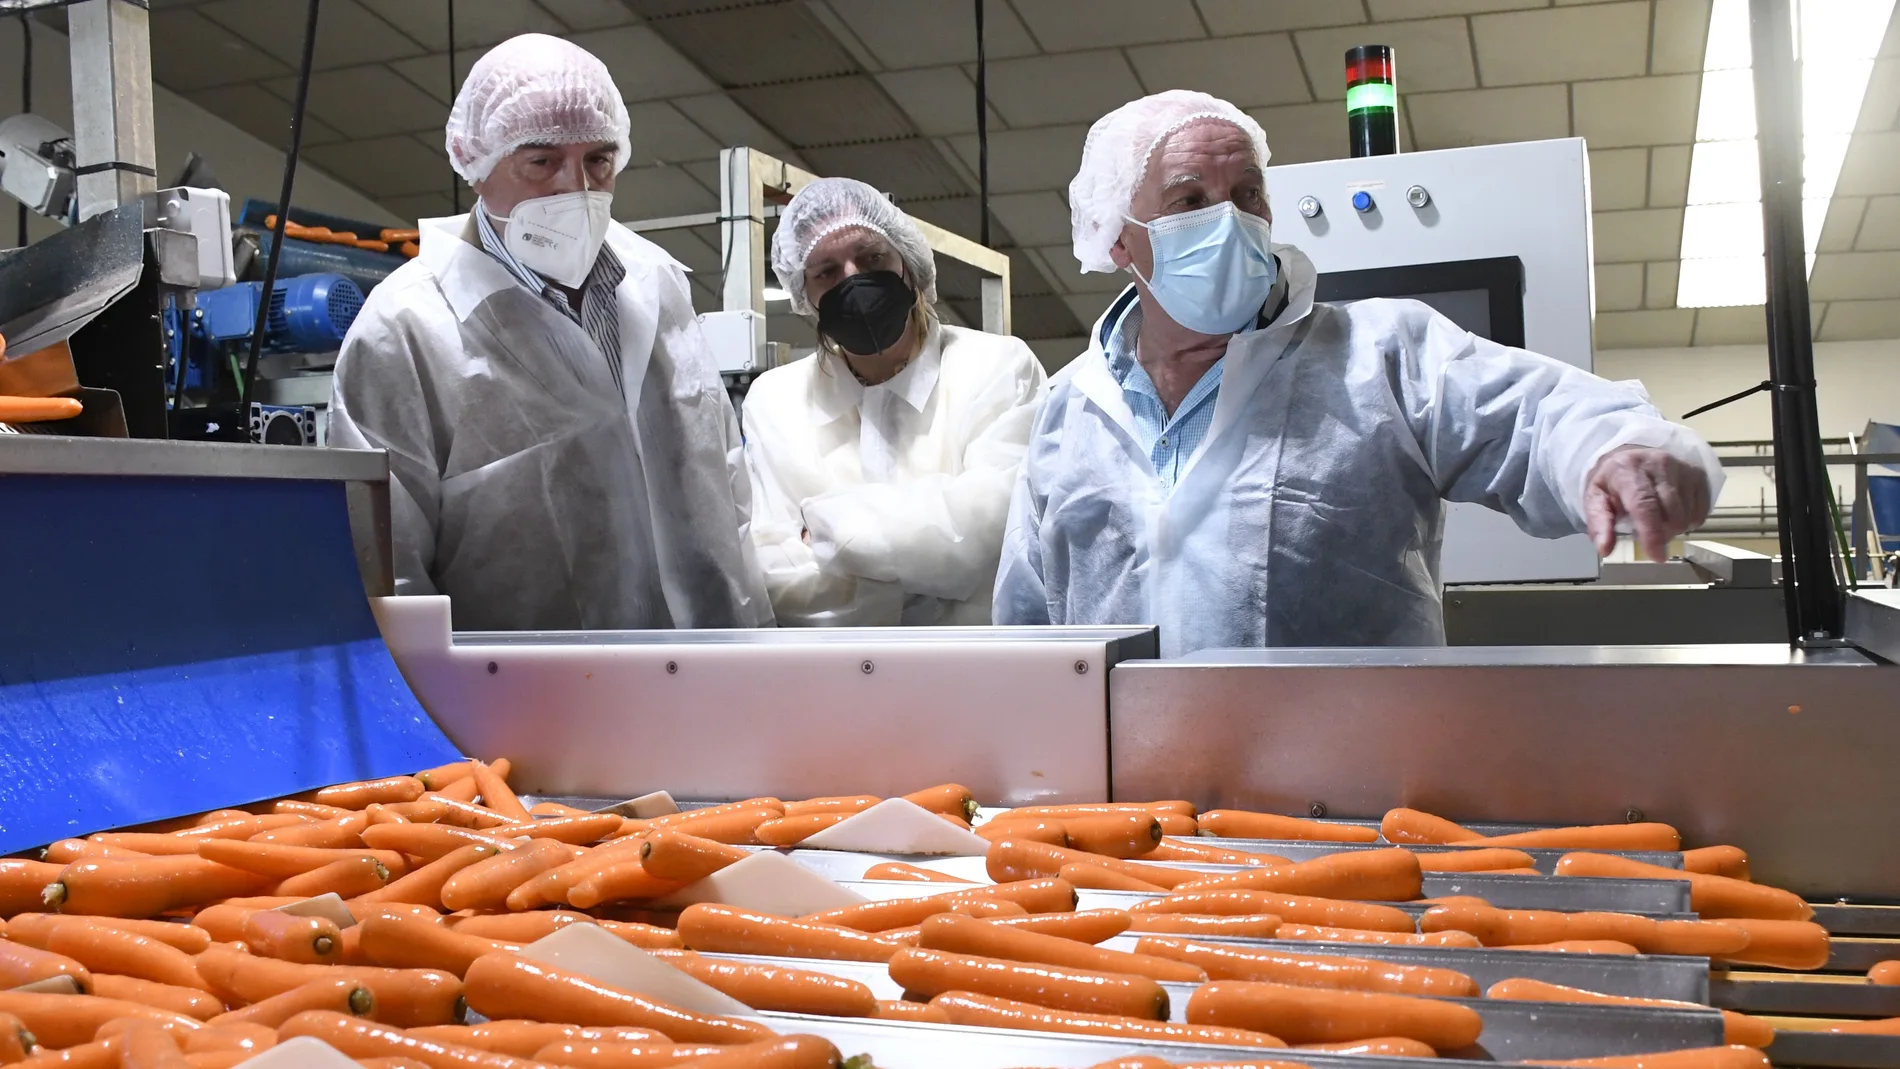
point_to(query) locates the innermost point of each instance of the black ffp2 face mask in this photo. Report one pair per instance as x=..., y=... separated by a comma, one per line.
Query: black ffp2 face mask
x=866, y=313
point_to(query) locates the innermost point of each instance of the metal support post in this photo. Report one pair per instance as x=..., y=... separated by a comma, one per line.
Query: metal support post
x=741, y=231
x=1814, y=601
x=111, y=49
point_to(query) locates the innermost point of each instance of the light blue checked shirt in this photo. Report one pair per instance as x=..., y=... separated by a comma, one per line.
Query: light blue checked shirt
x=599, y=313
x=1171, y=442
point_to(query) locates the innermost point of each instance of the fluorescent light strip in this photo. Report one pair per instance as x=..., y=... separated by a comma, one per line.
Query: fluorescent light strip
x=1721, y=226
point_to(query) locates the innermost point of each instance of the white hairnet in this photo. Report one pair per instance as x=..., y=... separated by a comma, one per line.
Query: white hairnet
x=533, y=89
x=833, y=204
x=1115, y=157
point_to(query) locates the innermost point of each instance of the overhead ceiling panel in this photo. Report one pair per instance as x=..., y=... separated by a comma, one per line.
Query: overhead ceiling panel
x=1073, y=87
x=699, y=253
x=644, y=66
x=1039, y=218
x=1393, y=10
x=938, y=100
x=1072, y=25
x=1302, y=133
x=1227, y=17
x=728, y=123
x=658, y=192
x=1679, y=37
x=386, y=166
x=838, y=110
x=347, y=34
x=758, y=44
x=190, y=52
x=1861, y=320
x=1247, y=72
x=262, y=114
x=416, y=206
x=659, y=9
x=901, y=35
x=1619, y=178
x=430, y=73
x=958, y=214
x=1025, y=160
x=660, y=134
x=1043, y=316
x=1060, y=265
x=1563, y=44
x=1636, y=111
x=369, y=101
x=589, y=14
x=1669, y=176
x=908, y=170
x=1488, y=116
x=478, y=23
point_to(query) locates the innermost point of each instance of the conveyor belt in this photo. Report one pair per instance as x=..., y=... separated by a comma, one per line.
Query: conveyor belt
x=1514, y=1031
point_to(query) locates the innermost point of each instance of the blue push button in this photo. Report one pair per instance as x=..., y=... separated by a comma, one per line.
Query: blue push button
x=1362, y=201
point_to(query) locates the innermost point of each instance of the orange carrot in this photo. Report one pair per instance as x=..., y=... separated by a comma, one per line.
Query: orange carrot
x=1243, y=824
x=683, y=857
x=485, y=884
x=424, y=885
x=496, y=795
x=103, y=949
x=358, y=795
x=341, y=994
x=898, y=870
x=346, y=877
x=504, y=986
x=283, y=862
x=187, y=1001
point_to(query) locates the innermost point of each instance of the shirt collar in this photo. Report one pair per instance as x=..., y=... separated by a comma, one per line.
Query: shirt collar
x=836, y=391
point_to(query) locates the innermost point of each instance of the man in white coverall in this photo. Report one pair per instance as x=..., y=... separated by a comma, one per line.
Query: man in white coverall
x=562, y=451
x=1244, y=467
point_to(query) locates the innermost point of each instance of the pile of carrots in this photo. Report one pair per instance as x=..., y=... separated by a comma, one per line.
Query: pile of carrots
x=403, y=239
x=193, y=945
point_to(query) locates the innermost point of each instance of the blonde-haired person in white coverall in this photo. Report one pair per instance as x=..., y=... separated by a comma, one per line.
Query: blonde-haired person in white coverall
x=562, y=451
x=882, y=465
x=1243, y=466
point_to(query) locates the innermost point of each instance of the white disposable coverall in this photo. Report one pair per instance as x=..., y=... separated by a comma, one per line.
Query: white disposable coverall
x=523, y=484
x=1311, y=515
x=904, y=486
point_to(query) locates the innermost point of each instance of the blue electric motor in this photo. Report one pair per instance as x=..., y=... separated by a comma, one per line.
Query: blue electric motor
x=308, y=313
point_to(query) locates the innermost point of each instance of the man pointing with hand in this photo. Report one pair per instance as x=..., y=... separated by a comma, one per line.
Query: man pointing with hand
x=1243, y=466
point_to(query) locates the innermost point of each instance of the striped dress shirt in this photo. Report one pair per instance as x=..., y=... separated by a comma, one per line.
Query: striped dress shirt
x=599, y=313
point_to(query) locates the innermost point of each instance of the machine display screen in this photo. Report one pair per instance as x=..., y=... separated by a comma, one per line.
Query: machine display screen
x=1486, y=297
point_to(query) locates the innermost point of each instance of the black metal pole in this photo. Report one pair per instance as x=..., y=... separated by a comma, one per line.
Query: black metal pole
x=1810, y=589
x=455, y=180
x=26, y=92
x=283, y=202
x=982, y=129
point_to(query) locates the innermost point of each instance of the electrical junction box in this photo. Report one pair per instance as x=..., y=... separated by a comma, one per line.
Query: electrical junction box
x=737, y=340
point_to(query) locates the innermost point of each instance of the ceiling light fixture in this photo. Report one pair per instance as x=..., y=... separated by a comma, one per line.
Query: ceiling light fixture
x=775, y=295
x=1721, y=226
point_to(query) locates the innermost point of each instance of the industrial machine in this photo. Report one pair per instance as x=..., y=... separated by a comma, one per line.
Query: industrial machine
x=307, y=314
x=1497, y=238
x=1785, y=754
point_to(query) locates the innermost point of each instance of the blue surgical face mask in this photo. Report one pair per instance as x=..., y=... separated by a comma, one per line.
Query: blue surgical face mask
x=1213, y=267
